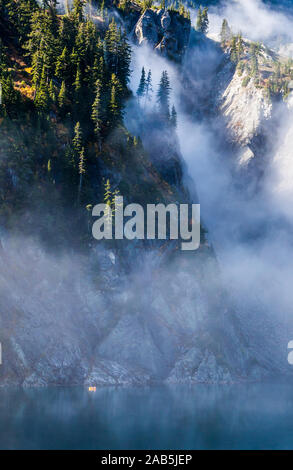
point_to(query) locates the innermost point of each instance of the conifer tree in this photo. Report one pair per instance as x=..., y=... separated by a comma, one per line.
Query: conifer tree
x=111, y=47
x=163, y=95
x=77, y=86
x=78, y=10
x=199, y=20
x=225, y=33
x=77, y=139
x=62, y=96
x=205, y=21
x=202, y=21
x=173, y=118
x=108, y=201
x=62, y=65
x=142, y=85
x=148, y=86
x=233, y=50
x=97, y=112
x=124, y=60
x=81, y=171
x=42, y=95
x=52, y=93
x=115, y=105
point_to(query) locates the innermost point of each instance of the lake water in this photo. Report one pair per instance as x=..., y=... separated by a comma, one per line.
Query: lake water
x=249, y=416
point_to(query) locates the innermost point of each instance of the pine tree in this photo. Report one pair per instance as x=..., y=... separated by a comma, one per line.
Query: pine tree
x=81, y=171
x=52, y=93
x=149, y=86
x=233, y=50
x=62, y=65
x=115, y=104
x=205, y=21
x=112, y=38
x=78, y=10
x=202, y=21
x=124, y=60
x=173, y=118
x=42, y=95
x=77, y=140
x=107, y=201
x=199, y=20
x=141, y=91
x=163, y=95
x=36, y=67
x=225, y=33
x=62, y=96
x=240, y=48
x=97, y=112
x=77, y=86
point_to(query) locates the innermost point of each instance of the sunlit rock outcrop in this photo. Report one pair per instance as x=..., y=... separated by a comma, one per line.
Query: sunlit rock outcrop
x=166, y=31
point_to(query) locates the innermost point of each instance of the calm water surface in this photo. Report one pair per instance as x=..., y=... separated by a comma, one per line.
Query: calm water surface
x=250, y=416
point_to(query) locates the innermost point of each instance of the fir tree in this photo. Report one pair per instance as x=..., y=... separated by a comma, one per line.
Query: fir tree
x=115, y=104
x=62, y=96
x=163, y=95
x=173, y=118
x=97, y=112
x=141, y=91
x=78, y=10
x=62, y=65
x=233, y=50
x=148, y=86
x=77, y=139
x=202, y=21
x=42, y=95
x=205, y=21
x=81, y=171
x=52, y=93
x=225, y=32
x=77, y=86
x=199, y=20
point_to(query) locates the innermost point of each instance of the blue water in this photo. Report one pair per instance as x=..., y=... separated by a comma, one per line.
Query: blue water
x=250, y=416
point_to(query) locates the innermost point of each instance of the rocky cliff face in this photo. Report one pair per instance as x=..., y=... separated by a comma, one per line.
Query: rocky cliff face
x=163, y=320
x=166, y=31
x=247, y=111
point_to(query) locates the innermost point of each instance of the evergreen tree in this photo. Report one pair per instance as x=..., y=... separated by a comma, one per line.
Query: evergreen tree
x=52, y=93
x=78, y=10
x=163, y=95
x=124, y=60
x=199, y=20
x=42, y=95
x=173, y=118
x=81, y=171
x=233, y=50
x=62, y=65
x=97, y=112
x=240, y=47
x=202, y=21
x=77, y=87
x=205, y=21
x=149, y=86
x=115, y=104
x=62, y=96
x=225, y=32
x=141, y=91
x=77, y=140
